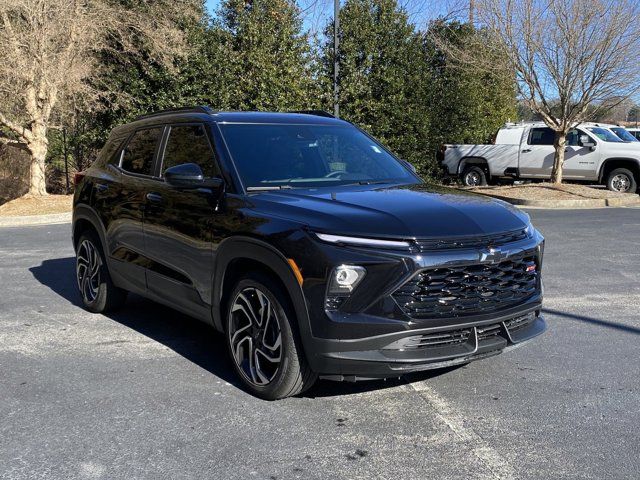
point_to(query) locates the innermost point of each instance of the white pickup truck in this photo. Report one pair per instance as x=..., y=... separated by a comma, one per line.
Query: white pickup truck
x=525, y=151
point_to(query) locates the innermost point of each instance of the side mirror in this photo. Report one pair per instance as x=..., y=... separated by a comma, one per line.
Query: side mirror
x=189, y=175
x=586, y=141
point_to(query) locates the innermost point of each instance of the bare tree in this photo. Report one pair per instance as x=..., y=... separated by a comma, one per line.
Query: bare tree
x=48, y=51
x=568, y=56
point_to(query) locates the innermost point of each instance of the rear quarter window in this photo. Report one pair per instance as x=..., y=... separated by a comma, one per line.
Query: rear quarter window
x=110, y=153
x=139, y=154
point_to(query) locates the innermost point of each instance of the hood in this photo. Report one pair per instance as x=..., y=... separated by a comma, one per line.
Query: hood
x=629, y=148
x=410, y=211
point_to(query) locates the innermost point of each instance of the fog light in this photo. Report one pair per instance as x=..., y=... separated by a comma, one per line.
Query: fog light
x=344, y=279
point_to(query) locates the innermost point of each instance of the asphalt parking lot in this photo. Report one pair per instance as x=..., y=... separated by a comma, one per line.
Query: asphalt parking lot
x=149, y=393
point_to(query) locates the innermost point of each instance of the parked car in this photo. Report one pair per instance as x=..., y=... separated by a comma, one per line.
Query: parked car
x=593, y=154
x=313, y=249
x=622, y=133
x=635, y=131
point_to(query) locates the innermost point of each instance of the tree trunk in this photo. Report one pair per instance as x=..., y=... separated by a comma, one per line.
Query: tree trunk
x=559, y=144
x=38, y=148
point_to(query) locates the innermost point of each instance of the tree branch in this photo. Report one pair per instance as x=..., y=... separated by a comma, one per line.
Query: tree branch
x=22, y=133
x=13, y=143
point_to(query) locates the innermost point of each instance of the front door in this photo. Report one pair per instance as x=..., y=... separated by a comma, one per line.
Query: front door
x=179, y=224
x=580, y=161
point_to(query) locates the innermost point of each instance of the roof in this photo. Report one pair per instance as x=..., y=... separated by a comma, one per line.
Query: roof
x=203, y=114
x=275, y=117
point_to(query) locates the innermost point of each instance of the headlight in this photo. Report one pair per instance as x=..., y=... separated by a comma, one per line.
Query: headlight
x=529, y=230
x=363, y=242
x=344, y=279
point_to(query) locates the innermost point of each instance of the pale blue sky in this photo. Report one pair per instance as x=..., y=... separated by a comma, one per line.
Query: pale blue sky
x=317, y=13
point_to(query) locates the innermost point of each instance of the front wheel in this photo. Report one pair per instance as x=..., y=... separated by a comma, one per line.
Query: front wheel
x=621, y=180
x=263, y=341
x=474, y=176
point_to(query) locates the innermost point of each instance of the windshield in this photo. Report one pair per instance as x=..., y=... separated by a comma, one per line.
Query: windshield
x=604, y=134
x=624, y=134
x=280, y=155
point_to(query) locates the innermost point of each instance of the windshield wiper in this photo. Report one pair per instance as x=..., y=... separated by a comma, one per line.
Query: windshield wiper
x=368, y=182
x=270, y=187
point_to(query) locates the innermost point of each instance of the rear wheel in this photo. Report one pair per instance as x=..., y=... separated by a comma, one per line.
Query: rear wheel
x=474, y=176
x=263, y=341
x=621, y=180
x=98, y=292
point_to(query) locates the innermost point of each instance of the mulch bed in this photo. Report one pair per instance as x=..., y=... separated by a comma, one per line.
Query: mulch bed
x=25, y=206
x=548, y=191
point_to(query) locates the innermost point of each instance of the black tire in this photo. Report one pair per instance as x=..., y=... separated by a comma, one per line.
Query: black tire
x=474, y=176
x=289, y=376
x=622, y=180
x=98, y=293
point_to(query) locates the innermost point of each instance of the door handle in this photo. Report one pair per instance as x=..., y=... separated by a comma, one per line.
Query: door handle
x=154, y=197
x=102, y=187
x=526, y=150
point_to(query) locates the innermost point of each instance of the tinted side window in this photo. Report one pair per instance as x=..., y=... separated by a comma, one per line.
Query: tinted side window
x=541, y=136
x=109, y=151
x=189, y=144
x=139, y=152
x=573, y=138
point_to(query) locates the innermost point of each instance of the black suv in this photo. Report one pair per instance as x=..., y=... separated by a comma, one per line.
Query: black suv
x=309, y=245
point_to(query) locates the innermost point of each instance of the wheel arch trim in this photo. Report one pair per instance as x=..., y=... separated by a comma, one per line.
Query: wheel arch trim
x=242, y=247
x=84, y=212
x=635, y=163
x=471, y=160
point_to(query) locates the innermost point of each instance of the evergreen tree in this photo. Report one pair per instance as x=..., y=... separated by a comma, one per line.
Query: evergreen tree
x=470, y=104
x=137, y=84
x=271, y=59
x=382, y=81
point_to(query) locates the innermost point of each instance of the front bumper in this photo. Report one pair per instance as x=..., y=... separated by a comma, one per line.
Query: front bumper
x=388, y=356
x=365, y=337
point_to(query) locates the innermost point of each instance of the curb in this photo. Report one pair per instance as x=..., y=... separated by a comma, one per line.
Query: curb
x=52, y=219
x=578, y=203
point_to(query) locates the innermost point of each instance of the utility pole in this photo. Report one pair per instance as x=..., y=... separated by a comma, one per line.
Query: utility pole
x=472, y=7
x=336, y=26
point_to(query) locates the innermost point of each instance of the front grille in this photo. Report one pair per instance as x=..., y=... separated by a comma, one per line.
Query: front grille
x=469, y=290
x=444, y=339
x=488, y=331
x=476, y=241
x=453, y=338
x=518, y=323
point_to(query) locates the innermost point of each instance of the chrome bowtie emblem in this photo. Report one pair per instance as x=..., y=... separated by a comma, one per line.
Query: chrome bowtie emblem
x=492, y=255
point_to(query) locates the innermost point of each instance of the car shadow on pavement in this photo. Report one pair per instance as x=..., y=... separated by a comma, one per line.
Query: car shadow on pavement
x=194, y=340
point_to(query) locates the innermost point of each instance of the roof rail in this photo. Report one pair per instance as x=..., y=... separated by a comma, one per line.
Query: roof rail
x=318, y=113
x=196, y=109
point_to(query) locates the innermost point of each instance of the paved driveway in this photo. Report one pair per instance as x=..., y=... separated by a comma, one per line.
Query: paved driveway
x=149, y=393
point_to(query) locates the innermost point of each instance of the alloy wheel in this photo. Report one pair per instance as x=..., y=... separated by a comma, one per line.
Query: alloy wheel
x=255, y=336
x=621, y=183
x=472, y=179
x=88, y=271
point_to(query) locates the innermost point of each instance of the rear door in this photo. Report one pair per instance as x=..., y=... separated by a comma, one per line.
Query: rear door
x=180, y=224
x=120, y=196
x=536, y=154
